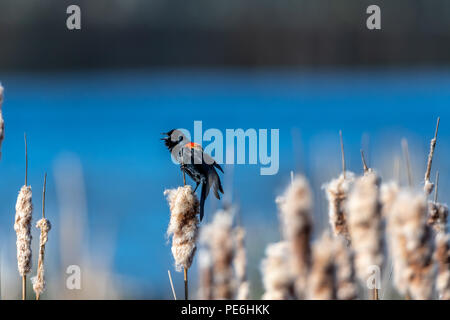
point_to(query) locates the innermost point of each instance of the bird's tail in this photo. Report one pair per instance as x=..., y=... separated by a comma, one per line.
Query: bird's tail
x=203, y=196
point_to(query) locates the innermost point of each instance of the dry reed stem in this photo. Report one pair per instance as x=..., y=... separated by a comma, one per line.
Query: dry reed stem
x=364, y=222
x=407, y=161
x=322, y=278
x=2, y=122
x=337, y=193
x=410, y=245
x=183, y=225
x=428, y=187
x=171, y=285
x=275, y=270
x=442, y=257
x=295, y=212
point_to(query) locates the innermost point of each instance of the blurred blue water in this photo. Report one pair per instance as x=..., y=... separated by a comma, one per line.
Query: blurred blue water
x=112, y=121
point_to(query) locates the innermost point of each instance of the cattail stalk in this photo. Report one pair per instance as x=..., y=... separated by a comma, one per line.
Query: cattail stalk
x=428, y=188
x=410, y=245
x=45, y=226
x=2, y=122
x=206, y=275
x=22, y=226
x=295, y=212
x=364, y=220
x=183, y=227
x=275, y=270
x=322, y=278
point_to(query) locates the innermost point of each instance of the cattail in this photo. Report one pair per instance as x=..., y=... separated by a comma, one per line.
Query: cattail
x=345, y=273
x=295, y=212
x=205, y=275
x=183, y=225
x=275, y=270
x=22, y=226
x=219, y=238
x=322, y=278
x=410, y=244
x=364, y=223
x=442, y=257
x=240, y=265
x=2, y=123
x=428, y=187
x=39, y=281
x=437, y=216
x=337, y=193
x=388, y=194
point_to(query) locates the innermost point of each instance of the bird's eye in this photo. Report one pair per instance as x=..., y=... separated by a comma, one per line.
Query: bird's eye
x=180, y=138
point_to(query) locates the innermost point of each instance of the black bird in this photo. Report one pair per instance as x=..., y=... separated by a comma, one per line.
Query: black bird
x=198, y=165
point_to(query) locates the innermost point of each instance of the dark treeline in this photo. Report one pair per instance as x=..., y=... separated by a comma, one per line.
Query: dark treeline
x=160, y=33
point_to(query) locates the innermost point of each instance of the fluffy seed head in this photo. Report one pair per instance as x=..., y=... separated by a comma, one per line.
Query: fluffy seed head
x=437, y=216
x=183, y=225
x=442, y=257
x=22, y=226
x=364, y=222
x=322, y=278
x=39, y=281
x=345, y=273
x=410, y=245
x=388, y=193
x=337, y=193
x=295, y=213
x=275, y=270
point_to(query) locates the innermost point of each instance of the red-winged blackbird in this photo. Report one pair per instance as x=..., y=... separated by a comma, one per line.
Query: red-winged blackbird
x=198, y=165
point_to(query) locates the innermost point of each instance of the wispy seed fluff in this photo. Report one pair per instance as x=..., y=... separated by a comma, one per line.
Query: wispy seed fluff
x=240, y=265
x=388, y=194
x=2, y=123
x=337, y=193
x=322, y=278
x=442, y=257
x=275, y=270
x=219, y=238
x=295, y=213
x=345, y=273
x=183, y=225
x=364, y=223
x=410, y=245
x=22, y=226
x=39, y=280
x=437, y=216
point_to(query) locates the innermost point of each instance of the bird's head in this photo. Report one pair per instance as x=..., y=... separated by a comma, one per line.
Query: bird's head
x=173, y=138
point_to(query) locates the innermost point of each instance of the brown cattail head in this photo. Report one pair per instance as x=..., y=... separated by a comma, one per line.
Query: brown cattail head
x=276, y=272
x=39, y=280
x=240, y=264
x=442, y=257
x=322, y=278
x=410, y=245
x=295, y=212
x=345, y=272
x=22, y=226
x=337, y=193
x=437, y=216
x=183, y=225
x=2, y=123
x=364, y=223
x=218, y=237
